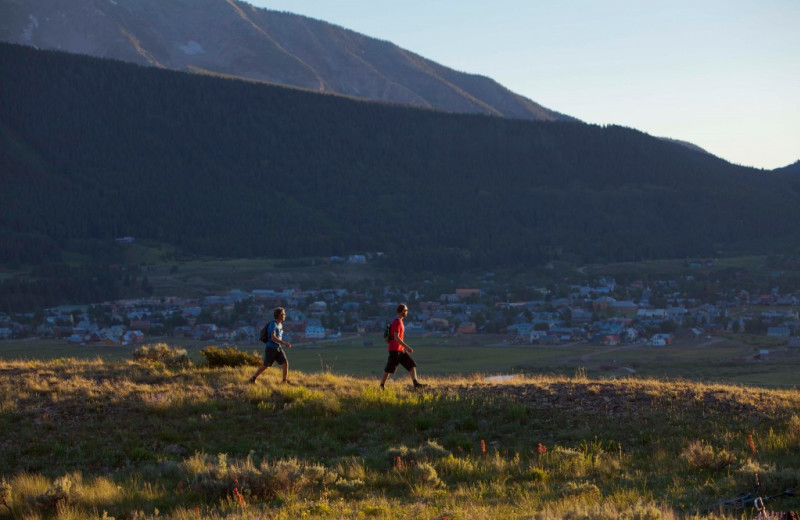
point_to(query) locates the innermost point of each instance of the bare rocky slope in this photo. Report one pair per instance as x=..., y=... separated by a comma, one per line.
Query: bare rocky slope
x=235, y=39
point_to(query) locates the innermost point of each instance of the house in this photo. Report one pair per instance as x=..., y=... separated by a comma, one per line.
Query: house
x=314, y=332
x=141, y=324
x=536, y=336
x=224, y=335
x=677, y=313
x=468, y=327
x=778, y=332
x=520, y=330
x=580, y=316
x=204, y=331
x=624, y=308
x=661, y=340
x=564, y=334
x=610, y=340
x=132, y=336
x=466, y=293
x=602, y=303
x=317, y=308
x=651, y=313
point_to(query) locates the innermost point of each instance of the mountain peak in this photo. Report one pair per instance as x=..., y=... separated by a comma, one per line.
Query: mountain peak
x=235, y=39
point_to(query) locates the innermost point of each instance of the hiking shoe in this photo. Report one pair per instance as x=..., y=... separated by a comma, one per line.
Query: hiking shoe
x=251, y=380
x=288, y=382
x=382, y=388
x=417, y=384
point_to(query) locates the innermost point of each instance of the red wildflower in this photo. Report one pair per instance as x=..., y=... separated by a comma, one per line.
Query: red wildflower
x=751, y=443
x=541, y=448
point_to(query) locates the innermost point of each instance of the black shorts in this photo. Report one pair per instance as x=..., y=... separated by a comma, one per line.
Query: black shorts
x=271, y=355
x=399, y=358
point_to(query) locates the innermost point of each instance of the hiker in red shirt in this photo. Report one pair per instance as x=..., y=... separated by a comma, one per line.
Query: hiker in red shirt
x=399, y=350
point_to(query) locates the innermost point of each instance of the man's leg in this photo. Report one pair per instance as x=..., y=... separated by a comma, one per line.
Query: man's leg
x=384, y=379
x=258, y=373
x=413, y=374
x=285, y=368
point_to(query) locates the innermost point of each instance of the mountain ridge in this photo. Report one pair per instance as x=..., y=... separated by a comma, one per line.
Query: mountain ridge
x=104, y=149
x=235, y=39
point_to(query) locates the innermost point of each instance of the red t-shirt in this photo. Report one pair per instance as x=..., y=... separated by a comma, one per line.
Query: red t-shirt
x=396, y=327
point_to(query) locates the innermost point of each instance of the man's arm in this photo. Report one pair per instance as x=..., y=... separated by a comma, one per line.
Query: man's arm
x=405, y=345
x=279, y=341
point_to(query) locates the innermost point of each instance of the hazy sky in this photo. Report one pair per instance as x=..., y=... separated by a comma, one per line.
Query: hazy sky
x=722, y=74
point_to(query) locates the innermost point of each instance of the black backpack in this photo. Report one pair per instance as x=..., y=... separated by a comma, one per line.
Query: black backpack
x=263, y=337
x=387, y=333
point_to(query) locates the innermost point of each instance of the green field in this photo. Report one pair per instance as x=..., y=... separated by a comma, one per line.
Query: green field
x=707, y=360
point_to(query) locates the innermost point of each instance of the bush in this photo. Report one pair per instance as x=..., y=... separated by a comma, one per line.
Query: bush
x=162, y=353
x=429, y=451
x=793, y=431
x=63, y=492
x=5, y=494
x=703, y=456
x=229, y=357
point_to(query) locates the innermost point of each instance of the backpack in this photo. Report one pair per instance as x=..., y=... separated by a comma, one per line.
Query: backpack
x=263, y=337
x=387, y=333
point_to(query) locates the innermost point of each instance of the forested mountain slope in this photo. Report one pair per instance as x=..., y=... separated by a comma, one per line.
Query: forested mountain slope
x=95, y=149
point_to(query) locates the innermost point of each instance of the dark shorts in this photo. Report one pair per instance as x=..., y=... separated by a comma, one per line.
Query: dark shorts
x=399, y=358
x=271, y=355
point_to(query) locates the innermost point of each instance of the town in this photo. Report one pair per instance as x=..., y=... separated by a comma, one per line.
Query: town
x=603, y=311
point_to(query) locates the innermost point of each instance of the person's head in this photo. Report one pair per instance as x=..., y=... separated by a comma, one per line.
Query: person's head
x=279, y=313
x=402, y=309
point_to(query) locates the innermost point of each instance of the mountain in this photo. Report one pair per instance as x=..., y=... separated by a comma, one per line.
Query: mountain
x=92, y=149
x=791, y=169
x=233, y=39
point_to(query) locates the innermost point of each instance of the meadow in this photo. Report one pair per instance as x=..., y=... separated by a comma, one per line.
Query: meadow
x=92, y=438
x=736, y=359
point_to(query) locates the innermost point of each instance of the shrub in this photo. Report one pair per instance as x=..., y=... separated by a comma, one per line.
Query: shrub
x=162, y=353
x=771, y=479
x=217, y=477
x=428, y=451
x=426, y=474
x=5, y=494
x=582, y=489
x=703, y=456
x=229, y=357
x=793, y=431
x=62, y=493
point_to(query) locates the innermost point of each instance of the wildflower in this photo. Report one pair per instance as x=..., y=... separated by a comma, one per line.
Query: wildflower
x=751, y=443
x=541, y=448
x=239, y=497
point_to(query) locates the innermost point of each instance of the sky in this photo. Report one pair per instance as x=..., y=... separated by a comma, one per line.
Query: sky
x=721, y=74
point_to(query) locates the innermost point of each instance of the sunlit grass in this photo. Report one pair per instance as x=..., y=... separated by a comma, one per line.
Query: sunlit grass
x=81, y=439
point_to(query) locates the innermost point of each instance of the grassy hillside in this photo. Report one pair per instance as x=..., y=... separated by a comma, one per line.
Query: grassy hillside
x=94, y=439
